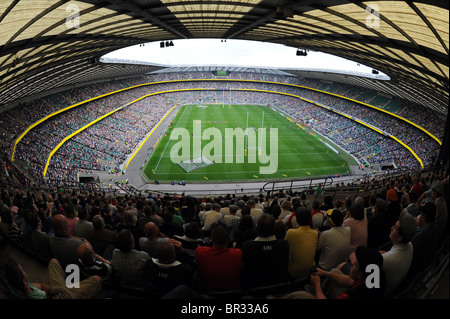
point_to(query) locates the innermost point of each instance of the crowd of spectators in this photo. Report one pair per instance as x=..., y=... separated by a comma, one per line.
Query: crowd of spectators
x=106, y=145
x=161, y=244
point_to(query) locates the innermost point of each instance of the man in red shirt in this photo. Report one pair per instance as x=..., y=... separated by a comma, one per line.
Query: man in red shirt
x=219, y=267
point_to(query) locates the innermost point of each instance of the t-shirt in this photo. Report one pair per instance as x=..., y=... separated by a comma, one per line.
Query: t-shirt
x=302, y=250
x=219, y=268
x=334, y=245
x=265, y=261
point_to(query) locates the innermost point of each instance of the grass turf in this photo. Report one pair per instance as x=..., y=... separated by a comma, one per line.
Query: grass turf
x=300, y=154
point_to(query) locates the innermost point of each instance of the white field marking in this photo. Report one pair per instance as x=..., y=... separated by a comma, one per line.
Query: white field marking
x=157, y=164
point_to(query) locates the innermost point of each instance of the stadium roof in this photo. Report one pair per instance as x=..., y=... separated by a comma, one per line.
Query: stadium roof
x=50, y=44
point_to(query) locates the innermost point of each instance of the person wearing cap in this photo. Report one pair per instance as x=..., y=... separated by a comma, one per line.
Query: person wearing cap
x=437, y=194
x=334, y=244
x=397, y=260
x=355, y=284
x=302, y=245
x=425, y=241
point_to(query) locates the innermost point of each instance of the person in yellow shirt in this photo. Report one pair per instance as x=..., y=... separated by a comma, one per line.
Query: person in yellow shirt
x=302, y=245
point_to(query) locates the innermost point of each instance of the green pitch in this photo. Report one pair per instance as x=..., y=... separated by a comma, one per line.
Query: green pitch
x=300, y=154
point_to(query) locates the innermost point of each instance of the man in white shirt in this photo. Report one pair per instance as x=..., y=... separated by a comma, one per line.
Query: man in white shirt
x=212, y=216
x=398, y=259
x=256, y=213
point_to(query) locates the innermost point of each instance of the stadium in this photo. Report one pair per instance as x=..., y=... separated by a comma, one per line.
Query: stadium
x=85, y=135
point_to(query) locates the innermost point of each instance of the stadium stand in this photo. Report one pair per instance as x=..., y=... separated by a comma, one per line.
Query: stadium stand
x=64, y=114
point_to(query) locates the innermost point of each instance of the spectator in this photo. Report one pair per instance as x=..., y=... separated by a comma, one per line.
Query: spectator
x=352, y=286
x=397, y=260
x=150, y=215
x=246, y=230
x=131, y=265
x=411, y=199
x=63, y=247
x=286, y=207
x=426, y=240
x=265, y=258
x=393, y=206
x=169, y=228
x=302, y=245
x=378, y=227
x=191, y=238
x=255, y=212
x=102, y=239
x=219, y=267
x=91, y=264
x=226, y=219
x=334, y=244
x=71, y=217
x=153, y=237
x=90, y=288
x=211, y=217
x=357, y=222
x=438, y=191
x=166, y=272
x=40, y=241
x=280, y=226
x=83, y=227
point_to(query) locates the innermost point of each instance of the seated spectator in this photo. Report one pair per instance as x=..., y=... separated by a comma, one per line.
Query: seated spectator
x=334, y=244
x=265, y=258
x=63, y=247
x=71, y=217
x=286, y=207
x=91, y=264
x=352, y=286
x=211, y=217
x=255, y=212
x=90, y=288
x=411, y=199
x=153, y=237
x=226, y=219
x=302, y=245
x=305, y=202
x=130, y=222
x=9, y=228
x=397, y=260
x=191, y=238
x=83, y=227
x=280, y=226
x=169, y=228
x=166, y=272
x=150, y=215
x=246, y=230
x=378, y=228
x=219, y=267
x=130, y=265
x=426, y=240
x=357, y=222
x=441, y=219
x=101, y=239
x=40, y=241
x=394, y=207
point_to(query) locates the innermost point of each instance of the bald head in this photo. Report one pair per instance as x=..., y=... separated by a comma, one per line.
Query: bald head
x=86, y=254
x=60, y=225
x=151, y=229
x=165, y=253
